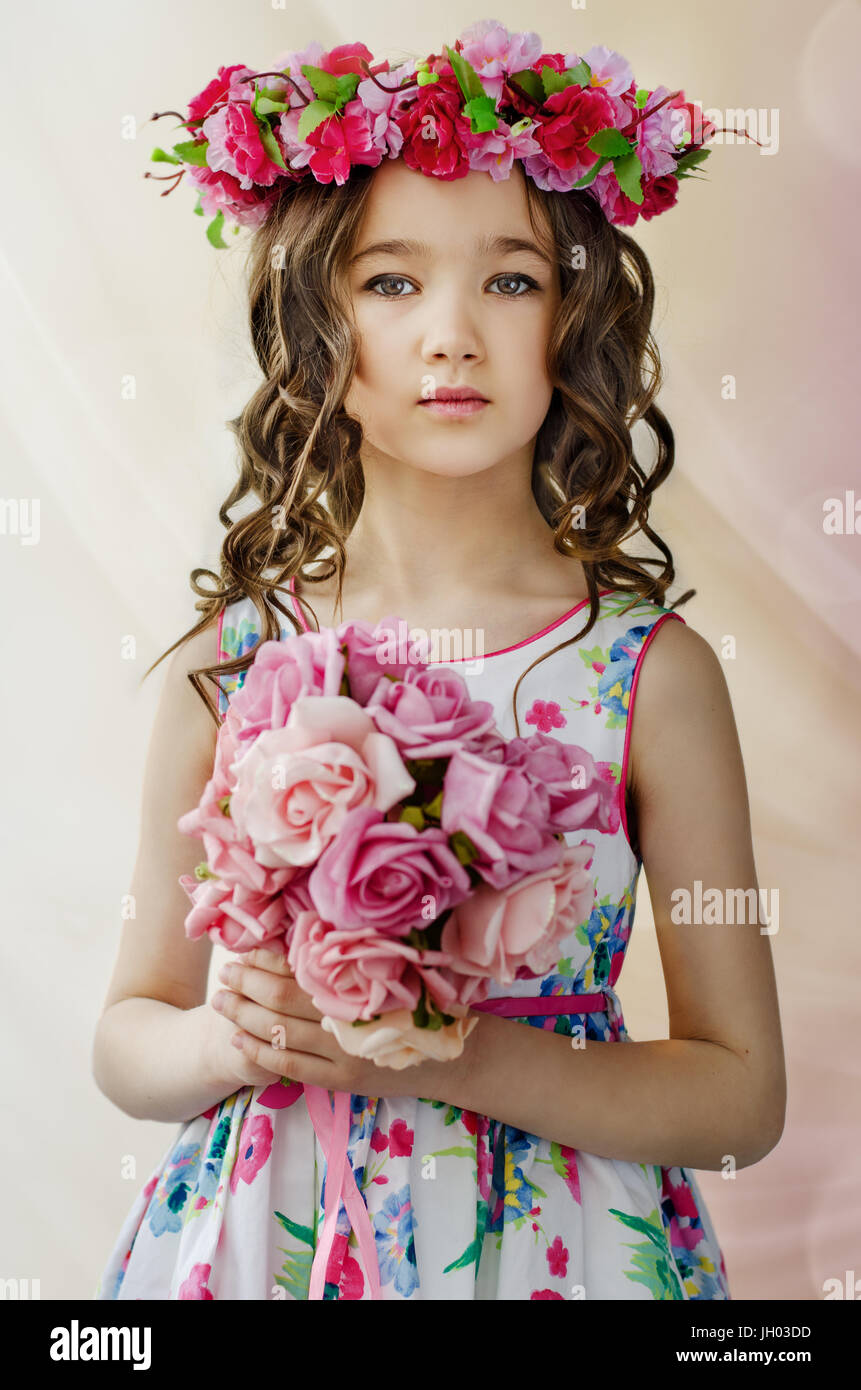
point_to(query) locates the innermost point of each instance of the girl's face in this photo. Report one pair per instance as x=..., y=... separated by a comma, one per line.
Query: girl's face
x=453, y=304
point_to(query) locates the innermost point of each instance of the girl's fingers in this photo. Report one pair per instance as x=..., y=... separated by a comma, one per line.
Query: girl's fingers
x=278, y=992
x=305, y=1067
x=263, y=959
x=279, y=1031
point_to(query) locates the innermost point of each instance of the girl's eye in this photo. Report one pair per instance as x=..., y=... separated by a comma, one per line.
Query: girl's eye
x=525, y=280
x=382, y=279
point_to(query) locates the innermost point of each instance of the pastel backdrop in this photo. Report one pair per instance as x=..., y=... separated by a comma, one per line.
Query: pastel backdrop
x=104, y=282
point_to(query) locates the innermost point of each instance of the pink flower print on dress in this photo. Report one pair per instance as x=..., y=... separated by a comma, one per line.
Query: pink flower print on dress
x=557, y=1258
x=401, y=1139
x=255, y=1145
x=546, y=715
x=345, y=1271
x=195, y=1286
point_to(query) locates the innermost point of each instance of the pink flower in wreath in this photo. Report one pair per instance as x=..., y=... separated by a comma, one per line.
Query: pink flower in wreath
x=219, y=88
x=434, y=130
x=334, y=146
x=236, y=147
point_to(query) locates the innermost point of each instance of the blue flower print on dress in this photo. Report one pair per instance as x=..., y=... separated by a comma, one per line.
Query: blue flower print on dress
x=396, y=1251
x=236, y=641
x=167, y=1205
x=614, y=667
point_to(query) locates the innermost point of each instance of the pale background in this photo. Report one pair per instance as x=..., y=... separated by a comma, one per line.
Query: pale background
x=757, y=272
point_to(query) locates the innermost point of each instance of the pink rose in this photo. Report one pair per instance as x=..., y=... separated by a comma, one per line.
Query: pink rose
x=296, y=898
x=429, y=714
x=296, y=785
x=228, y=850
x=233, y=916
x=374, y=654
x=658, y=195
x=576, y=114
x=347, y=57
x=352, y=974
x=515, y=933
x=333, y=147
x=583, y=794
x=309, y=663
x=235, y=145
x=504, y=813
x=201, y=105
x=437, y=109
x=386, y=875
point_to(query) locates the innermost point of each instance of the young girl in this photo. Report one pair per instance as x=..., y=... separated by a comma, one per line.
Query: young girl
x=547, y=1161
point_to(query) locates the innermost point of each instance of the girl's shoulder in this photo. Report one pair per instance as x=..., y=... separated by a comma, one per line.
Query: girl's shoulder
x=678, y=651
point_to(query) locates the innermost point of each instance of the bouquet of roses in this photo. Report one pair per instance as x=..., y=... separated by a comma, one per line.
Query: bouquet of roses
x=366, y=817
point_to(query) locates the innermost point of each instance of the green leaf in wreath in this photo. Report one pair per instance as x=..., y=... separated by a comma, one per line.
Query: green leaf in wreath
x=467, y=78
x=323, y=84
x=554, y=81
x=687, y=165
x=315, y=113
x=529, y=83
x=270, y=144
x=629, y=171
x=482, y=114
x=582, y=74
x=192, y=152
x=610, y=141
x=347, y=83
x=213, y=234
x=596, y=168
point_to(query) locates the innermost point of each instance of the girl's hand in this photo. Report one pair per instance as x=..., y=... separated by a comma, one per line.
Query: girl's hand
x=281, y=1035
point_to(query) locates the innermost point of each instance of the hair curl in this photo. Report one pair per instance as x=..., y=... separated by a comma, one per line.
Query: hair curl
x=296, y=441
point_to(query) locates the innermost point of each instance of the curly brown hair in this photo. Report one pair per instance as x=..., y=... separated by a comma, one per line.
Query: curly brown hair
x=296, y=441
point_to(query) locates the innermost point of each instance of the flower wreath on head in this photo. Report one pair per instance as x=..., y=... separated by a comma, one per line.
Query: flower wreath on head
x=572, y=122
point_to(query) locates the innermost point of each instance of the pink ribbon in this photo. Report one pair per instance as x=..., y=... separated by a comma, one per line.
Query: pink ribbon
x=330, y=1116
x=333, y=1132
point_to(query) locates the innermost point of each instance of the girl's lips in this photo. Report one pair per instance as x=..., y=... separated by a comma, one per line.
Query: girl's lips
x=453, y=409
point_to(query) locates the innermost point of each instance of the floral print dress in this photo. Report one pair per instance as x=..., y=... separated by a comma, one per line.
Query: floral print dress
x=462, y=1206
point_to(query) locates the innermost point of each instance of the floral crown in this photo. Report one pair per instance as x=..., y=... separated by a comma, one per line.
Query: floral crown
x=574, y=123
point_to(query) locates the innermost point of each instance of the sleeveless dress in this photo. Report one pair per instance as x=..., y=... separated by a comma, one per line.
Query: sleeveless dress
x=462, y=1206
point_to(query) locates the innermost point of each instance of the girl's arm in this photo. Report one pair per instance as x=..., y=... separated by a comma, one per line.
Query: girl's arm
x=160, y=1052
x=717, y=1086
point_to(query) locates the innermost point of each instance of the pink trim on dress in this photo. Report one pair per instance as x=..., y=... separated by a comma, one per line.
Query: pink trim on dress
x=535, y=636
x=624, y=777
x=525, y=643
